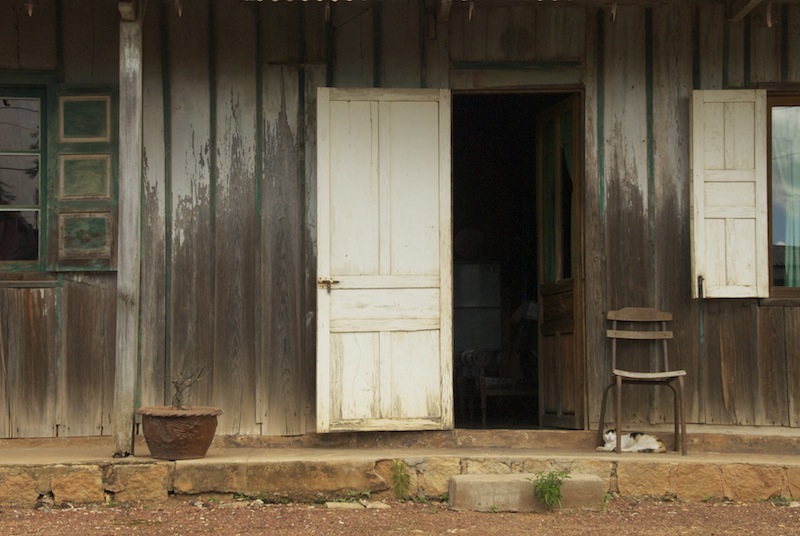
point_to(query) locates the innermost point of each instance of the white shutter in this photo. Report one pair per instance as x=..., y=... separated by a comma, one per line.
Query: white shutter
x=730, y=251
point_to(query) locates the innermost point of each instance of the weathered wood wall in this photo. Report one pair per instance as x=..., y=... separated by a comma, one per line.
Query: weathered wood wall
x=228, y=196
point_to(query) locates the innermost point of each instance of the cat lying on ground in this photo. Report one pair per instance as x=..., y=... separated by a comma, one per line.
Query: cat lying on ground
x=632, y=442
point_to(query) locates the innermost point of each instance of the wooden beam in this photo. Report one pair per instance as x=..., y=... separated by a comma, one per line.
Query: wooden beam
x=129, y=232
x=740, y=8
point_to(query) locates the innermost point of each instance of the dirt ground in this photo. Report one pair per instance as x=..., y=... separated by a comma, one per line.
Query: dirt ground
x=618, y=517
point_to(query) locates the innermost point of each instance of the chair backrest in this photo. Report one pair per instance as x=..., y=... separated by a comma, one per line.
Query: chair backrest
x=642, y=324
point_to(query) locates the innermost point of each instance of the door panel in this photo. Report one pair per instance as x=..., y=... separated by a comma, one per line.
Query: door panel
x=561, y=358
x=384, y=260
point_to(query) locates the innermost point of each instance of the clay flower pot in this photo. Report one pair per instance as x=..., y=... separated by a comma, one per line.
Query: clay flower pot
x=178, y=434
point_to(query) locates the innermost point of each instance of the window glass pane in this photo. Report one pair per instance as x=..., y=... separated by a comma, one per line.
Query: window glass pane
x=19, y=235
x=786, y=196
x=19, y=180
x=19, y=124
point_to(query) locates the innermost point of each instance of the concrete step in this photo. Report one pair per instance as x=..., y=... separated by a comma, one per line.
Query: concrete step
x=514, y=492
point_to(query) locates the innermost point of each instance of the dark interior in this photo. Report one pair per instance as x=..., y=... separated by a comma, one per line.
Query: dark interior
x=494, y=257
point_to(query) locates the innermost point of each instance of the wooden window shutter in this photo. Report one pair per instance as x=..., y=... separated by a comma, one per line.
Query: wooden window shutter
x=83, y=189
x=730, y=253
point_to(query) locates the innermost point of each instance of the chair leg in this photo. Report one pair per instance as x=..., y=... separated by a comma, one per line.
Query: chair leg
x=602, y=422
x=682, y=416
x=483, y=401
x=618, y=402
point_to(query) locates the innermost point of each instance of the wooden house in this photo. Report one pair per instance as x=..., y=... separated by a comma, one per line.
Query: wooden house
x=305, y=197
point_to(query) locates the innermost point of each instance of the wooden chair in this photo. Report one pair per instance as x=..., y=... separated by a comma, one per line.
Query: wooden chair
x=643, y=324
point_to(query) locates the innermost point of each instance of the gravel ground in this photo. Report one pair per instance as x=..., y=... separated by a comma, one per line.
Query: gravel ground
x=618, y=517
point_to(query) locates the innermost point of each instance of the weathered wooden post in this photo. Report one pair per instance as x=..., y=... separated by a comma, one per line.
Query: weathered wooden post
x=128, y=227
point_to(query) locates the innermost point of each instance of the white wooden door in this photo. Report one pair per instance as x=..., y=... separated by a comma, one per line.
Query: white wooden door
x=384, y=298
x=730, y=243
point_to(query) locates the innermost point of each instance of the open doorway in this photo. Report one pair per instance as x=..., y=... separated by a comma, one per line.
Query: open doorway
x=496, y=315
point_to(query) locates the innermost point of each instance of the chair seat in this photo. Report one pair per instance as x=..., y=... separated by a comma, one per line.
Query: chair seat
x=649, y=376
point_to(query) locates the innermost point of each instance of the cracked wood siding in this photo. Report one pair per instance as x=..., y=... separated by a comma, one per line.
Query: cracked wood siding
x=28, y=42
x=672, y=83
x=234, y=357
x=153, y=380
x=28, y=367
x=190, y=306
x=87, y=349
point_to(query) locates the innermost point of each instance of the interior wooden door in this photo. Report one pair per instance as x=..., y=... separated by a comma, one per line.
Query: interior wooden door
x=562, y=366
x=384, y=299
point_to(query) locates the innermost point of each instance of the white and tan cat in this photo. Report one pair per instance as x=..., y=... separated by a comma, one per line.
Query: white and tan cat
x=632, y=442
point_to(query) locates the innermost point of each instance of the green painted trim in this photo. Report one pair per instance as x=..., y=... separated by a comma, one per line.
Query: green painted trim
x=696, y=76
x=516, y=65
x=212, y=157
x=167, y=99
x=651, y=174
x=377, y=52
x=601, y=94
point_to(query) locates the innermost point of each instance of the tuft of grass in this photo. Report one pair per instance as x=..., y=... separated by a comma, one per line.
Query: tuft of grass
x=547, y=488
x=401, y=479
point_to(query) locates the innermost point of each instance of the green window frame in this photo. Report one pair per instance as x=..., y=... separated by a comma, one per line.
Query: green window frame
x=75, y=210
x=23, y=178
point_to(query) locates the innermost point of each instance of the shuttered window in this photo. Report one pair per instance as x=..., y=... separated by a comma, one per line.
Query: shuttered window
x=730, y=253
x=58, y=186
x=84, y=189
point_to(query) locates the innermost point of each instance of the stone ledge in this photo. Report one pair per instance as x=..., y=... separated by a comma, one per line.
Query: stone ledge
x=514, y=492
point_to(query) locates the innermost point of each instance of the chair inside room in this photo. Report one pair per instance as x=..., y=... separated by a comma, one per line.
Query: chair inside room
x=506, y=372
x=638, y=326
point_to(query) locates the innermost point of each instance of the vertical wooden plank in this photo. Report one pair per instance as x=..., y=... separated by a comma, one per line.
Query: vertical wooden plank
x=236, y=220
x=28, y=42
x=400, y=54
x=711, y=23
x=792, y=330
x=282, y=274
x=629, y=268
x=732, y=374
x=28, y=362
x=772, y=404
x=91, y=42
x=793, y=37
x=153, y=375
x=353, y=44
x=626, y=163
x=552, y=24
x=735, y=55
x=672, y=83
x=314, y=78
x=765, y=46
x=469, y=32
x=505, y=38
x=598, y=363
x=129, y=226
x=86, y=375
x=436, y=67
x=280, y=23
x=190, y=306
